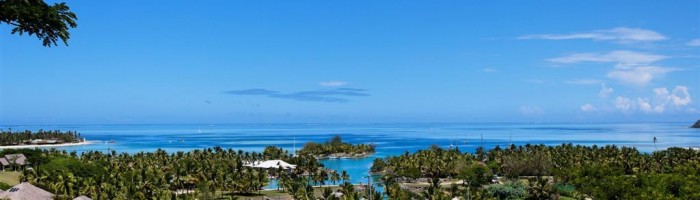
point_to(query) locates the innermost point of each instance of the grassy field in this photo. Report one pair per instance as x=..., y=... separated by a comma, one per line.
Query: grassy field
x=10, y=177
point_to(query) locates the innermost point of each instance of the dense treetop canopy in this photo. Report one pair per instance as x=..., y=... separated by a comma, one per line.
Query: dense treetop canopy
x=35, y=17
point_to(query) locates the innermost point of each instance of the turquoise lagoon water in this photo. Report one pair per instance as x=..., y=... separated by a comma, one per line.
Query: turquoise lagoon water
x=391, y=139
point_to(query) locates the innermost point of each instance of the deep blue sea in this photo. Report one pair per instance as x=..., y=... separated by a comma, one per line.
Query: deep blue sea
x=391, y=139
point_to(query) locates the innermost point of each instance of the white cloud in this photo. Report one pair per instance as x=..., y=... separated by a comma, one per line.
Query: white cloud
x=680, y=96
x=333, y=83
x=624, y=59
x=658, y=103
x=582, y=81
x=531, y=110
x=588, y=108
x=661, y=93
x=661, y=97
x=605, y=91
x=624, y=104
x=646, y=107
x=631, y=67
x=639, y=75
x=620, y=35
x=693, y=43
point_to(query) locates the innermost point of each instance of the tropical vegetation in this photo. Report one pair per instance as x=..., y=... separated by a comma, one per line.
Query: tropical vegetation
x=515, y=172
x=336, y=147
x=10, y=137
x=212, y=173
x=542, y=172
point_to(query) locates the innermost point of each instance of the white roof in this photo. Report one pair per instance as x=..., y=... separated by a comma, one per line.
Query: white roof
x=271, y=164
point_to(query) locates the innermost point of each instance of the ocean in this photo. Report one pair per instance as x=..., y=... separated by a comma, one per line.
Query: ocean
x=391, y=139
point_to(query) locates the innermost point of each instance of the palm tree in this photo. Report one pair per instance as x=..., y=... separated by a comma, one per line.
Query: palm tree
x=348, y=189
x=88, y=187
x=322, y=176
x=334, y=176
x=345, y=176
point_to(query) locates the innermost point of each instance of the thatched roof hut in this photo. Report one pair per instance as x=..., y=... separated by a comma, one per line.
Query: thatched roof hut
x=26, y=191
x=18, y=159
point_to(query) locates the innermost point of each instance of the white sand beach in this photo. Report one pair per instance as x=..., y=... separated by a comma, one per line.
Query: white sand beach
x=44, y=145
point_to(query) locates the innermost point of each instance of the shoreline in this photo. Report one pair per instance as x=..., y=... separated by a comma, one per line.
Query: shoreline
x=340, y=156
x=31, y=146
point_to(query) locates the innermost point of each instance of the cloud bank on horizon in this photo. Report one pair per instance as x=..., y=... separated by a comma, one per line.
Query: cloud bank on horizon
x=631, y=68
x=335, y=95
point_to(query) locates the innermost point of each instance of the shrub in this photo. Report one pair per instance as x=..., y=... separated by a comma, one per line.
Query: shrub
x=4, y=186
x=508, y=191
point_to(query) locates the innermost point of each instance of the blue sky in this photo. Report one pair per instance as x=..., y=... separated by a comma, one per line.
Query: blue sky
x=152, y=62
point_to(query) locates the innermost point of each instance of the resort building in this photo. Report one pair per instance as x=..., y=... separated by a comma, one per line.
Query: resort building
x=271, y=164
x=13, y=160
x=26, y=191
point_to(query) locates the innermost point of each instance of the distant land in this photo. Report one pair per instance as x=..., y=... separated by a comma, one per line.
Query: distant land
x=41, y=138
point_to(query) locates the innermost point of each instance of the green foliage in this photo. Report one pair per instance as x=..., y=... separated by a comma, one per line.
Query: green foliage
x=209, y=173
x=510, y=190
x=378, y=165
x=61, y=163
x=35, y=17
x=520, y=162
x=476, y=174
x=608, y=172
x=410, y=172
x=336, y=146
x=73, y=165
x=574, y=171
x=432, y=162
x=4, y=186
x=273, y=152
x=565, y=189
x=25, y=137
x=540, y=188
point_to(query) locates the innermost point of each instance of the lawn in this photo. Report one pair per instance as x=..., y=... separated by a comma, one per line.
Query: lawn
x=10, y=177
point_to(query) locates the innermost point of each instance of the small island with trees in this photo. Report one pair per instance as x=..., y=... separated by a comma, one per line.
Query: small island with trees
x=30, y=139
x=336, y=148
